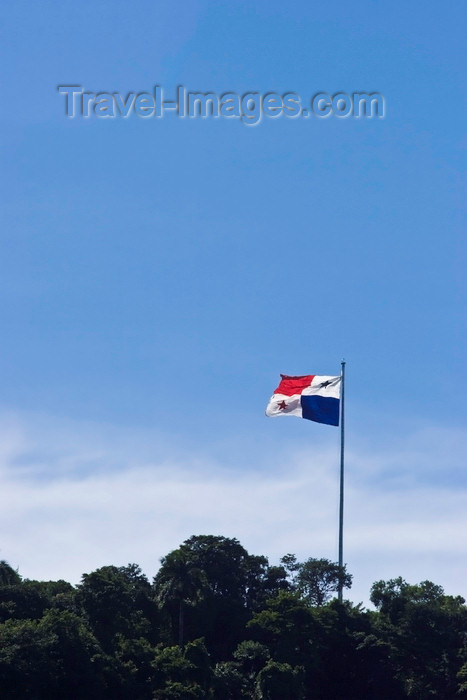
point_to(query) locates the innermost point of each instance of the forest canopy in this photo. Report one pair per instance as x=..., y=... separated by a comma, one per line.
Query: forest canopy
x=217, y=622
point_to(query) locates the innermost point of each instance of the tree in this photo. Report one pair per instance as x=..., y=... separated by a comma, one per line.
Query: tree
x=251, y=657
x=129, y=674
x=426, y=631
x=8, y=575
x=221, y=584
x=288, y=629
x=230, y=683
x=269, y=633
x=54, y=658
x=176, y=676
x=279, y=681
x=118, y=601
x=318, y=579
x=30, y=599
x=353, y=662
x=291, y=566
x=181, y=581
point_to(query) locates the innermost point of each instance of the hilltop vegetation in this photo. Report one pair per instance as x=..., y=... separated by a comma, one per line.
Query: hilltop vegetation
x=219, y=623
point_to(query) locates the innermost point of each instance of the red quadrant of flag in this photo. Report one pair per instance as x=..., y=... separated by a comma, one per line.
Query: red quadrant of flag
x=290, y=386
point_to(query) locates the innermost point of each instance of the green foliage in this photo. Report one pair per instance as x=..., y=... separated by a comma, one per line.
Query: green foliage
x=318, y=579
x=118, y=601
x=170, y=664
x=53, y=657
x=182, y=673
x=179, y=583
x=180, y=691
x=462, y=678
x=286, y=627
x=133, y=666
x=8, y=576
x=245, y=631
x=30, y=599
x=211, y=585
x=197, y=655
x=427, y=631
x=280, y=681
x=251, y=657
x=229, y=683
x=291, y=565
x=315, y=579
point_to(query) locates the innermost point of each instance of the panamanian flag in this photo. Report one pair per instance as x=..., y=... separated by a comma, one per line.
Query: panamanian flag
x=312, y=396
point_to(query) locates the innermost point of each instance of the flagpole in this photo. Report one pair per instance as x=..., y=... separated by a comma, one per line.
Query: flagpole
x=341, y=494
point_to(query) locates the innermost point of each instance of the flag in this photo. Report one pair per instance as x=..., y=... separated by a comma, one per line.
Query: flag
x=311, y=396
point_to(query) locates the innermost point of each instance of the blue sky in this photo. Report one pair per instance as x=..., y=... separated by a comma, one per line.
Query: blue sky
x=158, y=274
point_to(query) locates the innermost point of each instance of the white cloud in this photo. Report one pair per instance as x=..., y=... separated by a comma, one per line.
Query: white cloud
x=75, y=497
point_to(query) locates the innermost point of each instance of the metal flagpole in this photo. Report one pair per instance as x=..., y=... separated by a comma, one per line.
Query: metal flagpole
x=341, y=496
